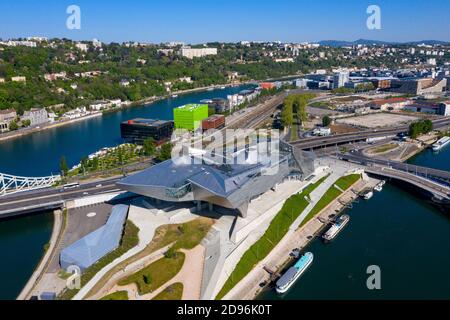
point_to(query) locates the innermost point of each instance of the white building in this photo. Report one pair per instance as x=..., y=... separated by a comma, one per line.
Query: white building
x=81, y=46
x=19, y=79
x=197, y=53
x=322, y=132
x=36, y=116
x=340, y=79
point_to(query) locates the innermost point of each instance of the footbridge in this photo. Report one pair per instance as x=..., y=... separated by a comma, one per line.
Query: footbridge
x=10, y=184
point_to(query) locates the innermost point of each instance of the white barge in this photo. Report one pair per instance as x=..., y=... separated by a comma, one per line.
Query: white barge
x=336, y=228
x=292, y=275
x=441, y=143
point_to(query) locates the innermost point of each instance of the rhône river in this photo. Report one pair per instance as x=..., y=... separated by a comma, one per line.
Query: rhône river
x=22, y=242
x=408, y=238
x=38, y=154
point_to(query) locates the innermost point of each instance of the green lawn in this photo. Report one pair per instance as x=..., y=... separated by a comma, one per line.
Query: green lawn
x=279, y=226
x=294, y=132
x=172, y=292
x=157, y=273
x=119, y=295
x=130, y=239
x=343, y=183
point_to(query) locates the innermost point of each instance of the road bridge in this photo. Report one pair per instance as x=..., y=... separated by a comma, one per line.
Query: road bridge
x=435, y=182
x=321, y=142
x=50, y=199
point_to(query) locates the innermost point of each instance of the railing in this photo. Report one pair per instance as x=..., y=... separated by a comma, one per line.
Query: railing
x=13, y=184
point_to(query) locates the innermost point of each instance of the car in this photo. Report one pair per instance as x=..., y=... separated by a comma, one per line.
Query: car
x=99, y=185
x=85, y=193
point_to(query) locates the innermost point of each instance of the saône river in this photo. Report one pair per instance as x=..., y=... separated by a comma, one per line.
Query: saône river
x=407, y=237
x=22, y=239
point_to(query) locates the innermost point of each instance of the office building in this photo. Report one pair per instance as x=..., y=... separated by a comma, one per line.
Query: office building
x=138, y=130
x=190, y=116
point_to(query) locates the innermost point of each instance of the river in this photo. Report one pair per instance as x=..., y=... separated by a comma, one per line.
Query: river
x=22, y=242
x=408, y=238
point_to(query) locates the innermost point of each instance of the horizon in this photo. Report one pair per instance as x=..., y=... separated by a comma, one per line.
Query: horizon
x=230, y=21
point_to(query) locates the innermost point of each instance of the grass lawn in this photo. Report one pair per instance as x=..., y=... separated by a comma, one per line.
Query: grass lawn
x=343, y=183
x=383, y=148
x=119, y=295
x=294, y=132
x=156, y=274
x=183, y=236
x=279, y=226
x=130, y=239
x=172, y=292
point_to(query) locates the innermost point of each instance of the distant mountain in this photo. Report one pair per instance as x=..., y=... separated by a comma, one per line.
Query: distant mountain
x=365, y=42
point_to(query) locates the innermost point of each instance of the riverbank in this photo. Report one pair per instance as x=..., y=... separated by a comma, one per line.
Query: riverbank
x=298, y=238
x=58, y=229
x=27, y=131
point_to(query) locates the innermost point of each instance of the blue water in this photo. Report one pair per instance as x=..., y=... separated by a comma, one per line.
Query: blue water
x=39, y=154
x=407, y=237
x=22, y=243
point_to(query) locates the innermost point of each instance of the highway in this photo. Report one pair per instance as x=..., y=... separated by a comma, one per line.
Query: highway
x=52, y=198
x=405, y=167
x=318, y=142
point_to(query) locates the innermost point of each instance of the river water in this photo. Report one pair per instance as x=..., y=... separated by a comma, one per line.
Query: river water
x=22, y=242
x=408, y=238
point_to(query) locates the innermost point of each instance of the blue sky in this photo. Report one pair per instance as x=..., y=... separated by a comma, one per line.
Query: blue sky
x=196, y=21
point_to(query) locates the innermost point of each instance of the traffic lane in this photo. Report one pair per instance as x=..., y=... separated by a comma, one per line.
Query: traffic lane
x=54, y=191
x=49, y=198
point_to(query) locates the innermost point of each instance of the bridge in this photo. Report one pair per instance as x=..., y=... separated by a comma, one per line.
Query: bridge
x=52, y=198
x=321, y=142
x=10, y=184
x=434, y=181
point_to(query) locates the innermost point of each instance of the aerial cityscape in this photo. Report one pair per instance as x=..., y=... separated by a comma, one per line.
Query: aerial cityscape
x=226, y=159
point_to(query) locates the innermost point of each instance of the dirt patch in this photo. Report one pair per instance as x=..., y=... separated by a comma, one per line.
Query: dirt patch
x=378, y=120
x=343, y=128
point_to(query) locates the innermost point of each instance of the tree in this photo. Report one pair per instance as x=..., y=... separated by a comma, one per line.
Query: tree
x=63, y=166
x=84, y=164
x=420, y=127
x=166, y=152
x=149, y=147
x=147, y=278
x=26, y=123
x=326, y=121
x=13, y=126
x=171, y=253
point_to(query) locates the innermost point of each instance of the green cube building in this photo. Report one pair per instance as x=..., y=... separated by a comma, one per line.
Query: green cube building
x=190, y=116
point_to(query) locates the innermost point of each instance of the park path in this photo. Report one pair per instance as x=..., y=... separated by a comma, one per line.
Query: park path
x=190, y=276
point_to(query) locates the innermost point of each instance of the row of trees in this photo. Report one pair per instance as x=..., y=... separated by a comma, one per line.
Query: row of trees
x=294, y=106
x=119, y=157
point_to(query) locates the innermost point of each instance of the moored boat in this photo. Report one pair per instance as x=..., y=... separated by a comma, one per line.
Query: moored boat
x=292, y=275
x=337, y=227
x=441, y=143
x=368, y=195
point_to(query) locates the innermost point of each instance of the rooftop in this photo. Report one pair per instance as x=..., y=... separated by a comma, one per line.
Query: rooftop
x=192, y=106
x=148, y=122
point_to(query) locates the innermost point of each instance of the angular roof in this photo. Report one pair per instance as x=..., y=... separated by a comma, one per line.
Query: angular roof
x=94, y=246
